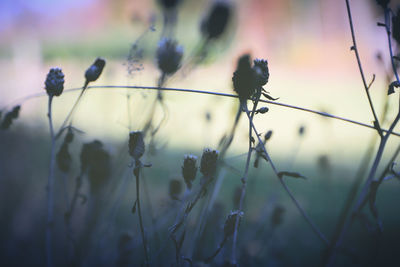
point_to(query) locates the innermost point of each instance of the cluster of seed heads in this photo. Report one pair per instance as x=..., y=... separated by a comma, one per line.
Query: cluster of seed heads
x=248, y=79
x=9, y=117
x=95, y=70
x=169, y=56
x=208, y=163
x=189, y=169
x=216, y=21
x=54, y=83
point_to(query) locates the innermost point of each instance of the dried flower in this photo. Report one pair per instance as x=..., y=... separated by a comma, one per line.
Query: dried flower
x=96, y=161
x=214, y=24
x=229, y=227
x=396, y=26
x=261, y=70
x=208, y=164
x=10, y=116
x=189, y=169
x=244, y=78
x=136, y=145
x=95, y=70
x=169, y=4
x=54, y=83
x=175, y=189
x=169, y=56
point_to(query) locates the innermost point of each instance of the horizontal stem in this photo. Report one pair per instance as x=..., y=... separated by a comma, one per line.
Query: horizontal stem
x=324, y=114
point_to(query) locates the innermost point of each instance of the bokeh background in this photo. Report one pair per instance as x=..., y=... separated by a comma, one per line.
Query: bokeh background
x=307, y=45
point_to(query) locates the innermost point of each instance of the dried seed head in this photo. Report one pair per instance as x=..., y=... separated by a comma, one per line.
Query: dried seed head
x=244, y=79
x=95, y=70
x=208, y=164
x=136, y=145
x=169, y=56
x=216, y=21
x=169, y=4
x=54, y=83
x=261, y=70
x=396, y=26
x=268, y=135
x=229, y=227
x=63, y=158
x=10, y=116
x=175, y=189
x=277, y=216
x=189, y=169
x=96, y=161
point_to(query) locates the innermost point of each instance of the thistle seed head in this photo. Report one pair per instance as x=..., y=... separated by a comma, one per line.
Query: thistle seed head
x=244, y=79
x=208, y=164
x=54, y=83
x=189, y=169
x=216, y=21
x=95, y=70
x=261, y=71
x=169, y=56
x=229, y=227
x=136, y=145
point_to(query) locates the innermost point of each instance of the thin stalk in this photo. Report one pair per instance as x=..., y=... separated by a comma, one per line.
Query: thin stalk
x=245, y=176
x=320, y=113
x=297, y=204
x=366, y=87
x=50, y=190
x=137, y=174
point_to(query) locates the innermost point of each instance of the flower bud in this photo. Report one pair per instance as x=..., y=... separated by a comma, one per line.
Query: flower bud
x=215, y=23
x=229, y=227
x=244, y=78
x=54, y=83
x=208, y=164
x=95, y=70
x=189, y=169
x=10, y=116
x=261, y=71
x=169, y=56
x=136, y=145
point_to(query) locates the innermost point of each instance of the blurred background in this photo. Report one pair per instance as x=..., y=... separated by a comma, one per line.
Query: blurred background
x=307, y=45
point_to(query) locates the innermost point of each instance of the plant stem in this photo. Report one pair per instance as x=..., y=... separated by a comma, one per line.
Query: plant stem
x=50, y=190
x=297, y=204
x=140, y=218
x=324, y=114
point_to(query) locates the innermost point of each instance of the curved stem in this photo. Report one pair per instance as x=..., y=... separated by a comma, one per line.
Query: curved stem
x=50, y=189
x=324, y=114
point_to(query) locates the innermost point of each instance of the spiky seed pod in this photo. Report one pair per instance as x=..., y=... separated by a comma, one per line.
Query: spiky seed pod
x=169, y=56
x=216, y=21
x=244, y=78
x=189, y=169
x=54, y=83
x=169, y=4
x=261, y=71
x=229, y=226
x=175, y=189
x=136, y=145
x=9, y=117
x=95, y=70
x=383, y=3
x=277, y=216
x=208, y=164
x=96, y=161
x=396, y=26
